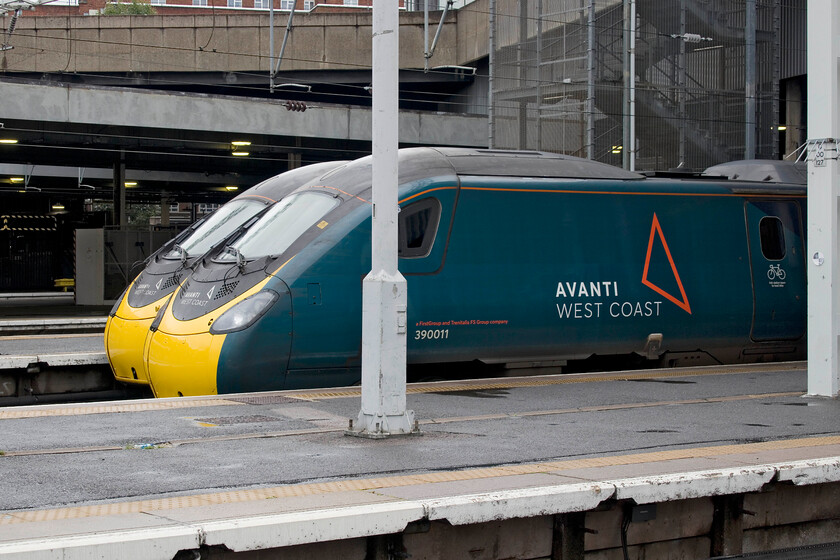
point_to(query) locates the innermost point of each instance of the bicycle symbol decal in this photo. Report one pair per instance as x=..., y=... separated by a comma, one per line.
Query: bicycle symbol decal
x=776, y=271
x=776, y=275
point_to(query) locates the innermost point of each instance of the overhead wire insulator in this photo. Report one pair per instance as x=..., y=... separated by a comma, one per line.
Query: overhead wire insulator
x=690, y=37
x=13, y=22
x=298, y=106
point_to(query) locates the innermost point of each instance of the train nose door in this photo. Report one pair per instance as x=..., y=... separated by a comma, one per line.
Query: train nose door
x=777, y=259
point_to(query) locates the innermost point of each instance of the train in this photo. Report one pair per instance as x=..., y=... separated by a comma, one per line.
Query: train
x=128, y=322
x=514, y=260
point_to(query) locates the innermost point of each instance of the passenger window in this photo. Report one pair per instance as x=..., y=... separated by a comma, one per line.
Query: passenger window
x=418, y=228
x=772, y=238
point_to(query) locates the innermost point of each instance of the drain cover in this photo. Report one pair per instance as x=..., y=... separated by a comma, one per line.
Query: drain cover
x=264, y=399
x=231, y=420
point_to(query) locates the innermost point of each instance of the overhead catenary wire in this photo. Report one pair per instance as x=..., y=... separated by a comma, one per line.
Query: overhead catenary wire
x=452, y=100
x=469, y=7
x=223, y=52
x=363, y=94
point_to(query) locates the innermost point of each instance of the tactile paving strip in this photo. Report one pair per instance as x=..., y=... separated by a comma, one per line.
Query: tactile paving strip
x=372, y=484
x=163, y=404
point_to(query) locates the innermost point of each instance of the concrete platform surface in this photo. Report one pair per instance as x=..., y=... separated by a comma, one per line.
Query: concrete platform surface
x=49, y=312
x=149, y=478
x=18, y=351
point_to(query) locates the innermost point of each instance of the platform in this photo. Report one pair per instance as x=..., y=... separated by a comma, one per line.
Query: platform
x=147, y=479
x=49, y=312
x=53, y=354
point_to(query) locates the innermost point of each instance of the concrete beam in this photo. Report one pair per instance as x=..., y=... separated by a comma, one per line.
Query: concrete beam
x=179, y=111
x=221, y=43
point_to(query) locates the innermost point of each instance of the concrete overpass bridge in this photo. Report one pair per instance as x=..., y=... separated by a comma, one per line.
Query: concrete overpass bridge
x=95, y=101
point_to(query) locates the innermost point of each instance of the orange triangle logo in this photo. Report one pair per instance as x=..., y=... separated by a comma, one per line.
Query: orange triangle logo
x=656, y=230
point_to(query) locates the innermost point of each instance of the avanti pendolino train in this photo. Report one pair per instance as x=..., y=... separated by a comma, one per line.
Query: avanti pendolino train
x=511, y=258
x=129, y=320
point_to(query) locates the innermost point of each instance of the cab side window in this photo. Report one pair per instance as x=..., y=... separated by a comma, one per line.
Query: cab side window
x=772, y=233
x=418, y=228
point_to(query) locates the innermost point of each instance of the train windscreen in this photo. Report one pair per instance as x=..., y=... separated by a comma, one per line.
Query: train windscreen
x=280, y=226
x=218, y=226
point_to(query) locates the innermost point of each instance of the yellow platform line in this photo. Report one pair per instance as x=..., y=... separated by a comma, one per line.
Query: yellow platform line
x=10, y=413
x=373, y=484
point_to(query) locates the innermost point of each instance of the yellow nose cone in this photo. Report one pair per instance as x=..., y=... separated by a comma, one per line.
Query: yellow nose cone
x=124, y=342
x=183, y=365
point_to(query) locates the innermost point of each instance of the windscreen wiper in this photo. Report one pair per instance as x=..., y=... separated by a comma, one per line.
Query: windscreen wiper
x=240, y=258
x=183, y=252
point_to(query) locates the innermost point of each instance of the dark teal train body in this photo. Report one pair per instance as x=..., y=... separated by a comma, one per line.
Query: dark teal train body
x=512, y=259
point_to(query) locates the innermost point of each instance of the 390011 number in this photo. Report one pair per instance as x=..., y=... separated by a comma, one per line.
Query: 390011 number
x=432, y=334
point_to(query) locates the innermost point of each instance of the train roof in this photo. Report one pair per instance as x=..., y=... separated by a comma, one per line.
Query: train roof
x=421, y=164
x=515, y=163
x=761, y=171
x=275, y=188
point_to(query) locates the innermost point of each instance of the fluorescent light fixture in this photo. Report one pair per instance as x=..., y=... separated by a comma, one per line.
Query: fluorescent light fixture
x=781, y=127
x=58, y=206
x=241, y=154
x=617, y=149
x=131, y=183
x=16, y=179
x=231, y=188
x=240, y=143
x=8, y=141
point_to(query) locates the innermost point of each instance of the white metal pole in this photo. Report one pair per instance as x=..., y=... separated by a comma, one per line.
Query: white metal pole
x=426, y=35
x=271, y=46
x=384, y=295
x=750, y=79
x=491, y=111
x=590, y=82
x=823, y=197
x=625, y=112
x=631, y=145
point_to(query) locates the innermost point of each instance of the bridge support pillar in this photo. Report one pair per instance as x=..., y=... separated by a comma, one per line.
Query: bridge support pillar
x=294, y=159
x=164, y=211
x=120, y=218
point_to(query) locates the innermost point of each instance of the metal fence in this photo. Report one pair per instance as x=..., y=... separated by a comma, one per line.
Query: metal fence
x=560, y=79
x=31, y=258
x=126, y=251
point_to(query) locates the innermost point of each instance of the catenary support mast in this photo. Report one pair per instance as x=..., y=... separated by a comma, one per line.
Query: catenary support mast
x=823, y=197
x=384, y=298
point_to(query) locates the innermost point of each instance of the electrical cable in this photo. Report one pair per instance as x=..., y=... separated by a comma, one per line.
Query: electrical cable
x=213, y=29
x=467, y=7
x=450, y=99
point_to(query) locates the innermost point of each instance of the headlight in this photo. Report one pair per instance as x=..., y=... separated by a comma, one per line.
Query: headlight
x=245, y=313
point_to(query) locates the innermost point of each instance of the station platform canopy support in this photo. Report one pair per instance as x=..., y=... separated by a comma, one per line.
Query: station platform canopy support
x=823, y=198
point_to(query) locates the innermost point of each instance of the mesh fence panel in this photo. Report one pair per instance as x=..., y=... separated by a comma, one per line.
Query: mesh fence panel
x=559, y=80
